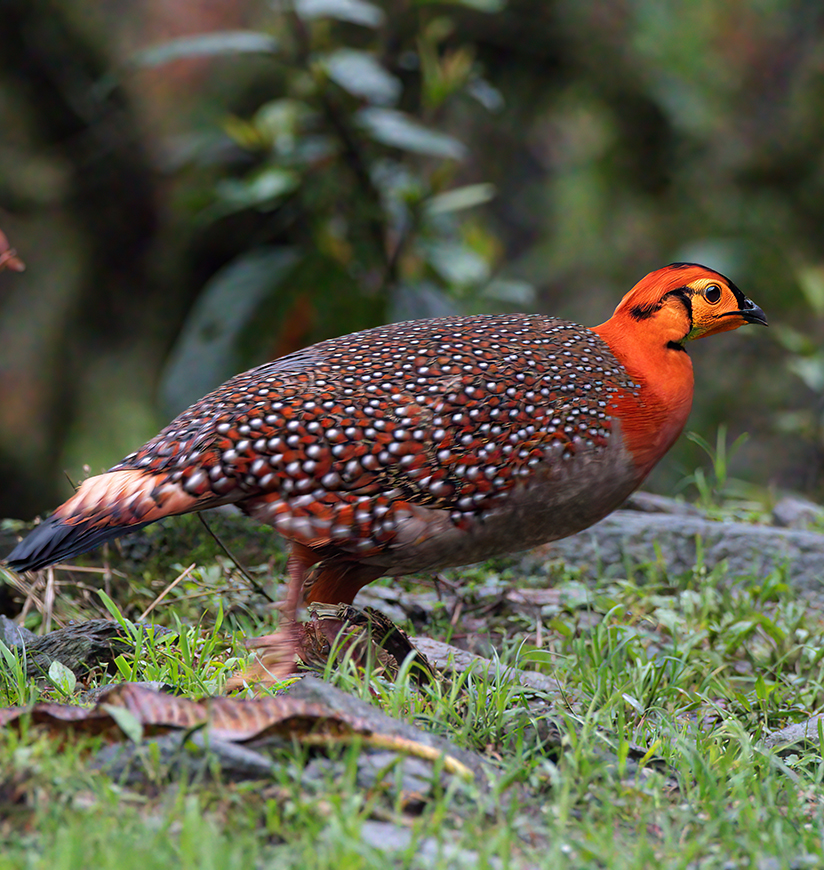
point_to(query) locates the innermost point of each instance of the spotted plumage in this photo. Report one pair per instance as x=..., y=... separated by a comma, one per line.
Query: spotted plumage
x=418, y=445
x=333, y=445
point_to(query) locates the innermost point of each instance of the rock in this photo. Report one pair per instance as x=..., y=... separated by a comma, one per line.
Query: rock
x=181, y=755
x=314, y=691
x=650, y=503
x=384, y=599
x=788, y=738
x=635, y=539
x=14, y=635
x=450, y=658
x=394, y=839
x=377, y=769
x=794, y=512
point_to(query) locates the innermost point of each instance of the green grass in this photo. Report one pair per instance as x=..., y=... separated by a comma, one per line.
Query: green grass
x=669, y=684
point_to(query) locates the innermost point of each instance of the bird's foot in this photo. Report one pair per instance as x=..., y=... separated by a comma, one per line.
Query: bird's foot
x=277, y=658
x=364, y=637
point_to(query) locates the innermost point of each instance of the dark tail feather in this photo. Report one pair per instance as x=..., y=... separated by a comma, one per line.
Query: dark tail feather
x=104, y=507
x=54, y=540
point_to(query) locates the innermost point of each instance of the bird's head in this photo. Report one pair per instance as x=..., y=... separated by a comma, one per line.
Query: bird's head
x=684, y=301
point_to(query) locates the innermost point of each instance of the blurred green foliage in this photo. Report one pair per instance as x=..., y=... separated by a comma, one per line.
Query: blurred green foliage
x=351, y=166
x=196, y=190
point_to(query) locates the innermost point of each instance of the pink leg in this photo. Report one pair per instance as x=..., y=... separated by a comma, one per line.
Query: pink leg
x=276, y=659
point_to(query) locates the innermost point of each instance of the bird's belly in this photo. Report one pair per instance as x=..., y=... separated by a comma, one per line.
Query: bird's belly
x=558, y=501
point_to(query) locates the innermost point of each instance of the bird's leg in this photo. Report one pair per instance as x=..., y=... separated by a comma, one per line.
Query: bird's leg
x=329, y=590
x=277, y=654
x=337, y=581
x=300, y=561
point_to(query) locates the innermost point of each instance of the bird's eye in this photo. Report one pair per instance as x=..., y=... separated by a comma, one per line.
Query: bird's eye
x=713, y=294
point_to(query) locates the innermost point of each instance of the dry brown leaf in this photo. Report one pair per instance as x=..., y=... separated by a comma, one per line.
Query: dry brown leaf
x=314, y=722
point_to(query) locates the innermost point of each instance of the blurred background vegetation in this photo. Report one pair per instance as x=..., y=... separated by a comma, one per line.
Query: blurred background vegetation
x=198, y=186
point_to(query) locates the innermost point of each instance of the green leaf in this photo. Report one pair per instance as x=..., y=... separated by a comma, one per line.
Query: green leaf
x=460, y=198
x=62, y=677
x=281, y=119
x=260, y=190
x=359, y=73
x=128, y=723
x=206, y=45
x=762, y=691
x=354, y=11
x=457, y=263
x=810, y=369
x=508, y=290
x=114, y=610
x=393, y=128
x=412, y=300
x=124, y=668
x=205, y=353
x=771, y=628
x=562, y=627
x=811, y=280
x=9, y=656
x=634, y=703
x=480, y=5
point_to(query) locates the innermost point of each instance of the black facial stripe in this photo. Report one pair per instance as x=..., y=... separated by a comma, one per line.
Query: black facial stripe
x=644, y=312
x=740, y=298
x=685, y=295
x=674, y=345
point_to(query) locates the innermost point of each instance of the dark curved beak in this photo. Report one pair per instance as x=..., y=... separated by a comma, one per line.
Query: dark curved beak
x=752, y=313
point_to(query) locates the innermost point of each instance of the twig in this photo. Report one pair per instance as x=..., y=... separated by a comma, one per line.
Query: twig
x=438, y=580
x=456, y=612
x=224, y=591
x=166, y=591
x=32, y=598
x=25, y=589
x=48, y=600
x=87, y=569
x=397, y=744
x=249, y=578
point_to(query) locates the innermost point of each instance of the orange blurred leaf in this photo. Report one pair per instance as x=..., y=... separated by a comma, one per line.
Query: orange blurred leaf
x=8, y=256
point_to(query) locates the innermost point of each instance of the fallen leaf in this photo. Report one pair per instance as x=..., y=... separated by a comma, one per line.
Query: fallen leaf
x=313, y=714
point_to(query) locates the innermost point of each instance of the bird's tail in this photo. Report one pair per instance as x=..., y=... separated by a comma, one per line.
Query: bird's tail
x=104, y=507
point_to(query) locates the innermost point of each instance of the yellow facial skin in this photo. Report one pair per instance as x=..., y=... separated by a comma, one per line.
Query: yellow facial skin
x=718, y=307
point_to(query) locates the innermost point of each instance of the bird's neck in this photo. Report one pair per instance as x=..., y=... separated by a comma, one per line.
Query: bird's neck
x=651, y=352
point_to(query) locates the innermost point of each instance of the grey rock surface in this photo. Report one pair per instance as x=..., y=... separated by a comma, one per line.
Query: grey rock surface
x=789, y=737
x=795, y=512
x=652, y=503
x=446, y=657
x=634, y=539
